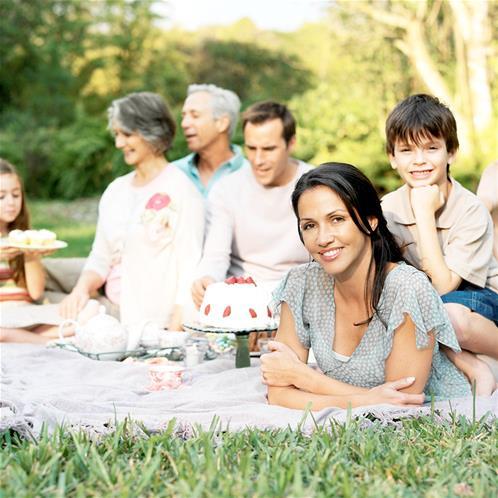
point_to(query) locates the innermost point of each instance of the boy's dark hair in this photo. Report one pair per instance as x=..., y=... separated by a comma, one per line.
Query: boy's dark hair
x=421, y=116
x=266, y=111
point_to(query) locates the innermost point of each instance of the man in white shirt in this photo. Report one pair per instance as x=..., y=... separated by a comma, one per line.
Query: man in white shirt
x=251, y=227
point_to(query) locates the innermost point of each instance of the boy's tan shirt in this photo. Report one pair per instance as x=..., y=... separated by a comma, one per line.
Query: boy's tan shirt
x=464, y=228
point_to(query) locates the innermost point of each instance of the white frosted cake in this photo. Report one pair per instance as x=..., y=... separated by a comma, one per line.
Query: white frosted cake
x=32, y=237
x=238, y=304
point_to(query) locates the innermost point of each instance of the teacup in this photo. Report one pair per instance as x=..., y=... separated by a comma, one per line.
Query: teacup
x=146, y=333
x=165, y=376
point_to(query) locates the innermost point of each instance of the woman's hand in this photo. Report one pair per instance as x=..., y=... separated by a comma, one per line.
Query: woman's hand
x=280, y=367
x=71, y=305
x=389, y=393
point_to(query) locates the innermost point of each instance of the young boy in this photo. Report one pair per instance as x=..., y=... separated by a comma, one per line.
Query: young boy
x=445, y=229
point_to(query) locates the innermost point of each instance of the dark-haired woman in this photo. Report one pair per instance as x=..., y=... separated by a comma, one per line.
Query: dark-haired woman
x=374, y=323
x=151, y=223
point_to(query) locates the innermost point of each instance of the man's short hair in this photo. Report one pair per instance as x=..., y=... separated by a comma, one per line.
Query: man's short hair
x=421, y=116
x=224, y=103
x=266, y=111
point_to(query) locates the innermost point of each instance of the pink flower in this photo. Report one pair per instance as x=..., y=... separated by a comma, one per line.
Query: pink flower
x=158, y=201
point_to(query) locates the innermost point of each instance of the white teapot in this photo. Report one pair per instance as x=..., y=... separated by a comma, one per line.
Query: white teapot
x=104, y=334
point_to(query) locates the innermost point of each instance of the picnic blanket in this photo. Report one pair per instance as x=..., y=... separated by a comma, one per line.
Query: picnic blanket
x=22, y=315
x=43, y=386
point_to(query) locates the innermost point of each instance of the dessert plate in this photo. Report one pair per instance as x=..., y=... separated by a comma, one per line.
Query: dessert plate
x=197, y=327
x=57, y=244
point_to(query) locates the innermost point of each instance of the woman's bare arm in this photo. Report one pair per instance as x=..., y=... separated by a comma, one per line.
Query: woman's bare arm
x=287, y=364
x=293, y=384
x=406, y=360
x=388, y=393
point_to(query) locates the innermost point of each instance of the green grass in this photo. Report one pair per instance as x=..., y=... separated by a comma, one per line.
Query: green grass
x=73, y=221
x=418, y=458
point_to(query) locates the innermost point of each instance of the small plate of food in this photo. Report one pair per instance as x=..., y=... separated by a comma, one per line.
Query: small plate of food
x=37, y=240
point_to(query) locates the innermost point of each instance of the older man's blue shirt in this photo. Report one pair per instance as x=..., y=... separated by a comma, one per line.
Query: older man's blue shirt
x=188, y=165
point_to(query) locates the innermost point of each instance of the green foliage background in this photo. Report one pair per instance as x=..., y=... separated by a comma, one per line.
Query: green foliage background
x=63, y=62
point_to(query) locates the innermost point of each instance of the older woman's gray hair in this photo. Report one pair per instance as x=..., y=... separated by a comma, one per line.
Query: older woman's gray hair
x=146, y=113
x=224, y=102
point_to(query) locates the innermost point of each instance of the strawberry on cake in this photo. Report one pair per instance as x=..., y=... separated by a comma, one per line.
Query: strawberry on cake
x=237, y=304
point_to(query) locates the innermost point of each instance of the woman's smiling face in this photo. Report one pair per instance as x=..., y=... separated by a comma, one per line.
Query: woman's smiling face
x=330, y=234
x=136, y=150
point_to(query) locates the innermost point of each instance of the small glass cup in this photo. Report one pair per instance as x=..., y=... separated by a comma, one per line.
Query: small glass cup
x=263, y=345
x=195, y=351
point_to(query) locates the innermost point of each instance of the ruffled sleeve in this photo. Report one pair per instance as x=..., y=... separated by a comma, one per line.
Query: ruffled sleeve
x=409, y=292
x=291, y=290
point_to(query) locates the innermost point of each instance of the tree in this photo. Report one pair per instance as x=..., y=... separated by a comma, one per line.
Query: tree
x=448, y=45
x=253, y=72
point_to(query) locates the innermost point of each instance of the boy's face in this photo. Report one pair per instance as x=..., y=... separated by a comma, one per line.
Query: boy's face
x=422, y=164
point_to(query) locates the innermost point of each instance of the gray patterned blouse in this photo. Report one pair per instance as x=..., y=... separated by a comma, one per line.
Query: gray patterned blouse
x=309, y=293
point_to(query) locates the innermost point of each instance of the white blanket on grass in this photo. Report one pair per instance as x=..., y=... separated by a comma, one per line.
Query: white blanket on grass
x=51, y=387
x=23, y=314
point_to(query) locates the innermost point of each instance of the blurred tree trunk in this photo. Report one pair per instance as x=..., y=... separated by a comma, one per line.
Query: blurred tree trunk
x=433, y=32
x=472, y=26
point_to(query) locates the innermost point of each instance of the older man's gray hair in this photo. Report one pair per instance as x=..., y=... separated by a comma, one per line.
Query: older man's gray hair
x=224, y=102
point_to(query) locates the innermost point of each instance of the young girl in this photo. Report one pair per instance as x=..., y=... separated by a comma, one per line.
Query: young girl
x=375, y=324
x=22, y=277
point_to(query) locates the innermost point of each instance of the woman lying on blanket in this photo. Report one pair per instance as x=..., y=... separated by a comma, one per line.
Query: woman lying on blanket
x=151, y=223
x=374, y=322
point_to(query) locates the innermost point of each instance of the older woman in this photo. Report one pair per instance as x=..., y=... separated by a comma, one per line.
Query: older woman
x=151, y=222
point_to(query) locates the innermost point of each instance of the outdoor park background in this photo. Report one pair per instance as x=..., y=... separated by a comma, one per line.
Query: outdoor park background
x=63, y=61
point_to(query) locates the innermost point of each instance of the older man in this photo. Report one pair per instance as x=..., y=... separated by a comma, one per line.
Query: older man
x=251, y=227
x=209, y=119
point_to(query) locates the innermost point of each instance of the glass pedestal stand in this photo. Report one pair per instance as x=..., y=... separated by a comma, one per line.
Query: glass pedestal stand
x=242, y=356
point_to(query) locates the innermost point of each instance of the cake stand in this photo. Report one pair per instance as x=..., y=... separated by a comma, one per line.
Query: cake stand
x=242, y=356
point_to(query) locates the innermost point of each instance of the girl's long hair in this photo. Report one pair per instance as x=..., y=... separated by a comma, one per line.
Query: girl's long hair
x=362, y=203
x=22, y=222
